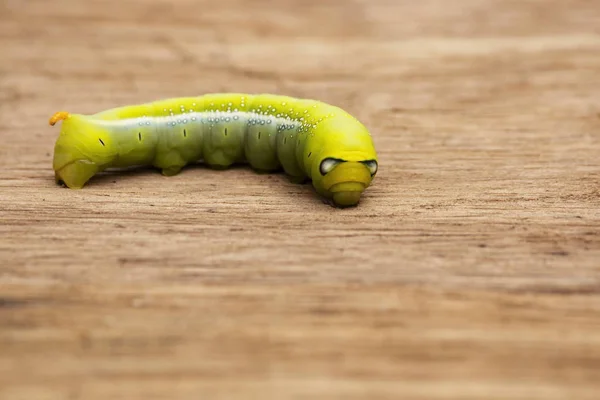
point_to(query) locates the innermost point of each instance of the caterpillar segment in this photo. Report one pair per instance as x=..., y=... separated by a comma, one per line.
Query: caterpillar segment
x=307, y=139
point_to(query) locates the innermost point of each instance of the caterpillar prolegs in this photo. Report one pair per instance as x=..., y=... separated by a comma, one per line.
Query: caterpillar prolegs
x=308, y=139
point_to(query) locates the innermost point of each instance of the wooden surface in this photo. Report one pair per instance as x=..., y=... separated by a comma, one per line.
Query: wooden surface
x=470, y=270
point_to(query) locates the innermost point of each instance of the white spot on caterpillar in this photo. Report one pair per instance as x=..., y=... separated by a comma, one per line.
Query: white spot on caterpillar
x=193, y=118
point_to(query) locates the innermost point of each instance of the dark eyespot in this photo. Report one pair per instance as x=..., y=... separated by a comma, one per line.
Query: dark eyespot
x=372, y=165
x=101, y=142
x=328, y=164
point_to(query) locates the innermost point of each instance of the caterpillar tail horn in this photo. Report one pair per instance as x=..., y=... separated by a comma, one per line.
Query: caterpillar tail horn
x=59, y=116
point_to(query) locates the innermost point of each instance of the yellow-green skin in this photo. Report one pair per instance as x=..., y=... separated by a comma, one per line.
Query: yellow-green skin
x=267, y=131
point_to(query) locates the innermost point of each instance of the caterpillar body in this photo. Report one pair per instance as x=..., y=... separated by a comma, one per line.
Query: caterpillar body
x=308, y=139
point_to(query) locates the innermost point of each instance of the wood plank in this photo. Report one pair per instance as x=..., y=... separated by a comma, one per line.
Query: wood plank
x=470, y=269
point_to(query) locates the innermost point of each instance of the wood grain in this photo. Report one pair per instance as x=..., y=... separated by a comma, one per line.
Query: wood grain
x=470, y=270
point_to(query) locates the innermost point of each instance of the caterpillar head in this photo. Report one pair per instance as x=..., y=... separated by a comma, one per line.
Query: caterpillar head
x=346, y=165
x=81, y=150
x=342, y=180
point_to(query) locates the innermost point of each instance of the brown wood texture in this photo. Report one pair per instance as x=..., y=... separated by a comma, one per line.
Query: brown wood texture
x=470, y=270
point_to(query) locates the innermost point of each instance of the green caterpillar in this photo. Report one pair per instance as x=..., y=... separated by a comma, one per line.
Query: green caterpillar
x=308, y=139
